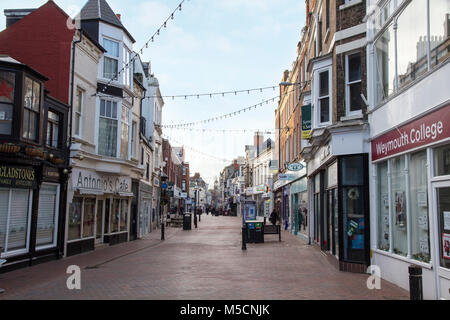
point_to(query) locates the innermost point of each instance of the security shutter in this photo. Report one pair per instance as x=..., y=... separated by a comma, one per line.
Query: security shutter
x=18, y=223
x=4, y=204
x=48, y=204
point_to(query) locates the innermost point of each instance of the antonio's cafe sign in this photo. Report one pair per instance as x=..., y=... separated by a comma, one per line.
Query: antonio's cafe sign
x=89, y=182
x=429, y=129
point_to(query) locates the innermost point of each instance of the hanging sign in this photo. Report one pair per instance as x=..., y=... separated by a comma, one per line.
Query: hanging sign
x=306, y=122
x=295, y=167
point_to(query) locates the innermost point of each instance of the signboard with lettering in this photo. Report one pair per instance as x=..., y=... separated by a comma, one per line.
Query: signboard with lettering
x=17, y=177
x=306, y=122
x=89, y=180
x=431, y=128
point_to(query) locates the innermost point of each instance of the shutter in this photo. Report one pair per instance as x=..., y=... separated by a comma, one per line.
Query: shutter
x=4, y=204
x=48, y=204
x=18, y=223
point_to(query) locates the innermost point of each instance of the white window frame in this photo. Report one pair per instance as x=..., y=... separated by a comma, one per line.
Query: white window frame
x=119, y=132
x=55, y=236
x=13, y=253
x=318, y=97
x=80, y=114
x=127, y=71
x=348, y=84
x=119, y=122
x=133, y=139
x=110, y=56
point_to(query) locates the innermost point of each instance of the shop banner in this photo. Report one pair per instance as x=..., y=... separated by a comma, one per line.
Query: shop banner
x=17, y=177
x=306, y=122
x=429, y=129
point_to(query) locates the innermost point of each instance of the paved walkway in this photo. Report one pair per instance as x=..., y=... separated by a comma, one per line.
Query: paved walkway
x=202, y=264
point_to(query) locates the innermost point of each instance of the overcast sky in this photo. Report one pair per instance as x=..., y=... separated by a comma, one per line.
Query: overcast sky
x=210, y=46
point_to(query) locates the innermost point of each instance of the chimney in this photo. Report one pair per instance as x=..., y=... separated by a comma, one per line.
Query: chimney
x=258, y=139
x=15, y=15
x=119, y=16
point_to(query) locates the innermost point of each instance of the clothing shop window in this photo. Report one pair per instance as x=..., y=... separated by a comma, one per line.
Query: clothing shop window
x=53, y=125
x=398, y=202
x=111, y=59
x=32, y=107
x=78, y=111
x=15, y=212
x=419, y=206
x=324, y=98
x=124, y=135
x=353, y=83
x=7, y=91
x=383, y=206
x=47, y=215
x=107, y=140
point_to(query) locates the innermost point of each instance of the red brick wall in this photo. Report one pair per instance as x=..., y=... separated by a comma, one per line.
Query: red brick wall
x=42, y=41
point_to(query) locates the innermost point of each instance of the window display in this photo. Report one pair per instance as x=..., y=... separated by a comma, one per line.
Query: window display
x=383, y=207
x=443, y=199
x=398, y=195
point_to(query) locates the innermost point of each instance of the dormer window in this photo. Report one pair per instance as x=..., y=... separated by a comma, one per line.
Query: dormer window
x=31, y=109
x=111, y=59
x=7, y=89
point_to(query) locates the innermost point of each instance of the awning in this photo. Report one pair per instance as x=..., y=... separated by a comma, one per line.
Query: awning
x=84, y=191
x=126, y=194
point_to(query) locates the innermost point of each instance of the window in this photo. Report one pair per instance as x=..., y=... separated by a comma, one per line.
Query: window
x=7, y=90
x=81, y=218
x=353, y=83
x=47, y=215
x=442, y=161
x=107, y=139
x=439, y=29
x=133, y=139
x=111, y=59
x=324, y=97
x=147, y=169
x=31, y=109
x=88, y=217
x=53, y=125
x=14, y=219
x=127, y=67
x=327, y=14
x=78, y=111
x=383, y=206
x=124, y=135
x=398, y=202
x=385, y=64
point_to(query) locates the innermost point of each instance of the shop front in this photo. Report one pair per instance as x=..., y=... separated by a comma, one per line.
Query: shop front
x=411, y=198
x=99, y=211
x=299, y=208
x=146, y=214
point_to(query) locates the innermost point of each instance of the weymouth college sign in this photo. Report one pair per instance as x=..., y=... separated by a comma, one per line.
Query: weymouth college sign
x=431, y=128
x=88, y=180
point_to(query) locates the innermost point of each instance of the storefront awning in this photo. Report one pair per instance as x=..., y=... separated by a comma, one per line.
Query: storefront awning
x=84, y=191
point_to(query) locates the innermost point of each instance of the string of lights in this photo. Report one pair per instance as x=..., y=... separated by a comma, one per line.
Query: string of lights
x=141, y=51
x=228, y=115
x=266, y=131
x=214, y=94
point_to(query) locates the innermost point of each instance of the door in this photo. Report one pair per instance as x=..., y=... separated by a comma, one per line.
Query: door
x=99, y=222
x=134, y=223
x=442, y=238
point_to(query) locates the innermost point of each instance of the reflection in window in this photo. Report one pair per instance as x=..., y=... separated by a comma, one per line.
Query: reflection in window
x=399, y=230
x=7, y=86
x=385, y=64
x=383, y=207
x=439, y=31
x=53, y=125
x=442, y=161
x=31, y=109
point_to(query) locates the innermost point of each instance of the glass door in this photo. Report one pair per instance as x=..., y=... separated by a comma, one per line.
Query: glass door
x=442, y=196
x=99, y=222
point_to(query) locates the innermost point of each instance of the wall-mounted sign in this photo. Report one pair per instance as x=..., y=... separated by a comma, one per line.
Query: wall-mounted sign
x=89, y=180
x=295, y=166
x=17, y=177
x=306, y=122
x=51, y=173
x=431, y=128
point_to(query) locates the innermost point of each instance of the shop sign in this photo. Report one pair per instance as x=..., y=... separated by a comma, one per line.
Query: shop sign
x=51, y=173
x=83, y=179
x=306, y=122
x=431, y=128
x=17, y=177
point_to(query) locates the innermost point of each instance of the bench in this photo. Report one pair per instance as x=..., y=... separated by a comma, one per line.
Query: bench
x=273, y=229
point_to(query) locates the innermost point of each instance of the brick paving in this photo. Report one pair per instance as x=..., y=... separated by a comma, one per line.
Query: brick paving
x=203, y=264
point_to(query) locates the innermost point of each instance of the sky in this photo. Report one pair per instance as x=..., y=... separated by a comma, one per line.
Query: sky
x=210, y=46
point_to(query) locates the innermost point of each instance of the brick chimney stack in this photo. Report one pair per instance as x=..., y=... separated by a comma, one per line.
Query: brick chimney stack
x=119, y=16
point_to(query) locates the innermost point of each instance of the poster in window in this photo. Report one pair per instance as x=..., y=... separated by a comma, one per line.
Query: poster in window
x=446, y=215
x=446, y=246
x=400, y=209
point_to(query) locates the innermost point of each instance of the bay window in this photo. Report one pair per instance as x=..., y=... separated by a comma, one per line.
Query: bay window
x=7, y=90
x=108, y=124
x=124, y=135
x=78, y=111
x=353, y=83
x=127, y=67
x=111, y=59
x=47, y=215
x=31, y=110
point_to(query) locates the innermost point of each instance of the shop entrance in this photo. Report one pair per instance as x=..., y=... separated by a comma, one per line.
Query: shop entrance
x=100, y=217
x=441, y=196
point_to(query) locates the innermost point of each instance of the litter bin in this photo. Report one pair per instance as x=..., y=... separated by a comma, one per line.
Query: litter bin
x=187, y=222
x=255, y=231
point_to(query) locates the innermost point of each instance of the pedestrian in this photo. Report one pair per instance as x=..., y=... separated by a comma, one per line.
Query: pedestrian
x=273, y=217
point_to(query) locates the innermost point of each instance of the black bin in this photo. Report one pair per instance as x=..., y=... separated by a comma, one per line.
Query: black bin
x=187, y=222
x=255, y=232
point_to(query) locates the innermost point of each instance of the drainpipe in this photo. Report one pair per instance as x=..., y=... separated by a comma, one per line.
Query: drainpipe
x=316, y=18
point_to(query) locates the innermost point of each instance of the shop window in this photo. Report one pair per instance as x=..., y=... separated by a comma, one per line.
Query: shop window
x=123, y=215
x=7, y=90
x=115, y=216
x=398, y=199
x=31, y=109
x=14, y=220
x=125, y=133
x=383, y=206
x=443, y=194
x=53, y=125
x=107, y=139
x=75, y=219
x=111, y=59
x=442, y=161
x=353, y=83
x=78, y=112
x=47, y=215
x=88, y=217
x=82, y=215
x=419, y=207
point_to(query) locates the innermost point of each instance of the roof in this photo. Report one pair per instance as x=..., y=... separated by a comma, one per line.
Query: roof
x=11, y=61
x=100, y=10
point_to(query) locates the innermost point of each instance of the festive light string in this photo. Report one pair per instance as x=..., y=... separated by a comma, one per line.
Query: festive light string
x=266, y=131
x=152, y=39
x=228, y=115
x=213, y=94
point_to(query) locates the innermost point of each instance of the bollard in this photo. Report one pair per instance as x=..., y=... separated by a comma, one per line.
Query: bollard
x=162, y=231
x=244, y=238
x=415, y=282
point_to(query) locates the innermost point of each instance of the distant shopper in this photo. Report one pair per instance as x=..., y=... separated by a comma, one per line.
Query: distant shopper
x=273, y=217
